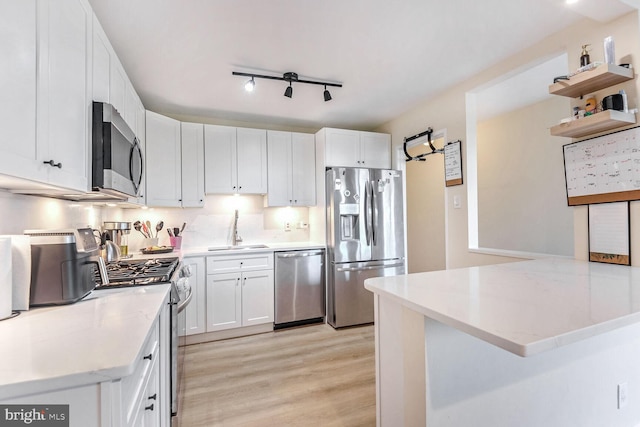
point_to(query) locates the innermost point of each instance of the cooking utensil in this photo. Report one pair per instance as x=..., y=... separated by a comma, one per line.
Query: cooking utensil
x=146, y=230
x=170, y=232
x=138, y=226
x=176, y=231
x=184, y=224
x=148, y=224
x=159, y=227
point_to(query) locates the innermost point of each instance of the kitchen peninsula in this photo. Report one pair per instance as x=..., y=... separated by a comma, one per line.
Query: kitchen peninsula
x=553, y=342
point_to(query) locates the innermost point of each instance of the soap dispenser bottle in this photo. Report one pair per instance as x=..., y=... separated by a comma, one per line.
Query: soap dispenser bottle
x=584, y=57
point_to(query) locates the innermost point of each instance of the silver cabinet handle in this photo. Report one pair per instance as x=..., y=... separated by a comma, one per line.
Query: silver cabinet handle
x=301, y=254
x=371, y=267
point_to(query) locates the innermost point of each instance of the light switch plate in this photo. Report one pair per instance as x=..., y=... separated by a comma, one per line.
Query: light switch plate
x=456, y=202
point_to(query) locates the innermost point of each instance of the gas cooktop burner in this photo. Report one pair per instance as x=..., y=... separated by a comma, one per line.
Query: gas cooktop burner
x=128, y=273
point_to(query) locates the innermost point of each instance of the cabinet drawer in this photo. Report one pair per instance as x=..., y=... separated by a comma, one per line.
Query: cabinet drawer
x=229, y=263
x=146, y=407
x=132, y=386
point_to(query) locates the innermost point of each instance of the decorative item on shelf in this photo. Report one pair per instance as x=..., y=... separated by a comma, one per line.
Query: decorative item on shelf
x=584, y=57
x=591, y=106
x=289, y=77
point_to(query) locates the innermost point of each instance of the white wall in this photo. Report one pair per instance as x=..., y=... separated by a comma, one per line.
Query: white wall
x=448, y=111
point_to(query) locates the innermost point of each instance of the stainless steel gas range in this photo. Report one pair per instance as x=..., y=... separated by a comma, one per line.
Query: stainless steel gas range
x=144, y=272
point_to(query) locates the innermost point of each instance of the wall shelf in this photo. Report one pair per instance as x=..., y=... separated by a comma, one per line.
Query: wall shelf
x=591, y=81
x=606, y=120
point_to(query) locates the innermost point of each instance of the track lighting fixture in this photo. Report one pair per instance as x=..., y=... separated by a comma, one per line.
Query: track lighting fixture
x=287, y=77
x=327, y=95
x=250, y=85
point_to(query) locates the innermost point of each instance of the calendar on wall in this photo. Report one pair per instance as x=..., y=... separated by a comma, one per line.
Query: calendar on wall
x=603, y=169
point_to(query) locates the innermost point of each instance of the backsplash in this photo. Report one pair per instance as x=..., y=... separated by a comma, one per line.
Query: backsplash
x=208, y=226
x=212, y=225
x=21, y=213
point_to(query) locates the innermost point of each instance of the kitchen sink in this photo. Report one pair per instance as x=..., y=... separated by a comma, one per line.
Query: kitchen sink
x=237, y=248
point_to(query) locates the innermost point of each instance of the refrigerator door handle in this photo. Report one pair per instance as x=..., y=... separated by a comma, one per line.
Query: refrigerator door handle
x=367, y=213
x=370, y=267
x=374, y=216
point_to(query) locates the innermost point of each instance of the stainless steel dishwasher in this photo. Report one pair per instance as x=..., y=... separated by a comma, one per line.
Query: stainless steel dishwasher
x=299, y=287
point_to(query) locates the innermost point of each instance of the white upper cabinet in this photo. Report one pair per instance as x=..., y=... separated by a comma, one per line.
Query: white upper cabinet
x=163, y=161
x=349, y=148
x=18, y=155
x=64, y=91
x=102, y=53
x=291, y=169
x=235, y=160
x=192, y=164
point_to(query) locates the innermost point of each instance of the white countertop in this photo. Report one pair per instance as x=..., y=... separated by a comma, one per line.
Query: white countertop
x=271, y=247
x=524, y=307
x=96, y=339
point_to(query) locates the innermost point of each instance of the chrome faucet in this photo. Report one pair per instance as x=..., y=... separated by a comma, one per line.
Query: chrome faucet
x=235, y=238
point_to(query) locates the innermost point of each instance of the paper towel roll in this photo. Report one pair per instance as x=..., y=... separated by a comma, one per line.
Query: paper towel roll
x=21, y=270
x=6, y=283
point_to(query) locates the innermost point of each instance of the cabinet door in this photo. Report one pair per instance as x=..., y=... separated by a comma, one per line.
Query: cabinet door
x=18, y=154
x=279, y=169
x=193, y=318
x=252, y=161
x=163, y=162
x=375, y=150
x=303, y=169
x=63, y=95
x=257, y=297
x=342, y=148
x=224, y=301
x=101, y=63
x=130, y=104
x=192, y=164
x=117, y=85
x=220, y=159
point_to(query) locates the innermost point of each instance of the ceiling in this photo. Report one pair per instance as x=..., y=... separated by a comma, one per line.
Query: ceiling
x=390, y=56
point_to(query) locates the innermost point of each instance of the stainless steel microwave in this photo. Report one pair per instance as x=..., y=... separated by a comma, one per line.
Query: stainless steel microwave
x=117, y=161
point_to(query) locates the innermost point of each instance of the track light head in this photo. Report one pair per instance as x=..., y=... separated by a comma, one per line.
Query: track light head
x=327, y=95
x=289, y=91
x=250, y=85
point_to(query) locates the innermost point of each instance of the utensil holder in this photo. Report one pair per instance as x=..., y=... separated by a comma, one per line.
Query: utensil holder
x=176, y=241
x=147, y=243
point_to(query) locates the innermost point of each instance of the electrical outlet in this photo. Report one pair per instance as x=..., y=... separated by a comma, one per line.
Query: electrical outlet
x=287, y=226
x=623, y=395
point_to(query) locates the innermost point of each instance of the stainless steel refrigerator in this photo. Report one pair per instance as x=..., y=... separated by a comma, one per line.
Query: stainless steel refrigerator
x=365, y=238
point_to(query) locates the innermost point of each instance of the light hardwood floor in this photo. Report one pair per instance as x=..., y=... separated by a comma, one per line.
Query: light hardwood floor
x=307, y=376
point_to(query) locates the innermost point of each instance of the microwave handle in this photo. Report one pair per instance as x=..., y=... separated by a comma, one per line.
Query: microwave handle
x=136, y=146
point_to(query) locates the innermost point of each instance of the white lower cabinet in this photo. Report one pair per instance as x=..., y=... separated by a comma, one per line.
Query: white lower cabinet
x=239, y=291
x=142, y=398
x=192, y=319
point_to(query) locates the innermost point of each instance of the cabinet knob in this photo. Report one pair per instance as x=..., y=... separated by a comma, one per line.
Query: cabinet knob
x=53, y=163
x=148, y=356
x=153, y=397
x=149, y=408
x=234, y=187
x=240, y=188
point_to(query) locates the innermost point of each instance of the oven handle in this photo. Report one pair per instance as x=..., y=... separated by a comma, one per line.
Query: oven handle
x=183, y=304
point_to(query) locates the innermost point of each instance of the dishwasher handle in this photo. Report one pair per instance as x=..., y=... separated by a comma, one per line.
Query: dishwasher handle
x=299, y=254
